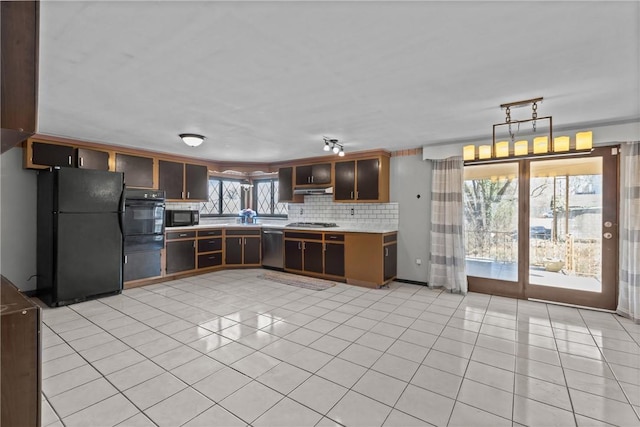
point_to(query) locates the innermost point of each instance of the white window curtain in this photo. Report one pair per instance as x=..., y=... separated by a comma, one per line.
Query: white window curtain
x=447, y=255
x=629, y=285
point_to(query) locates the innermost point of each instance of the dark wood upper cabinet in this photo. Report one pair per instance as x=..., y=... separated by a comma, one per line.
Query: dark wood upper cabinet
x=138, y=171
x=196, y=182
x=368, y=175
x=171, y=179
x=92, y=159
x=285, y=186
x=19, y=32
x=345, y=182
x=52, y=154
x=313, y=174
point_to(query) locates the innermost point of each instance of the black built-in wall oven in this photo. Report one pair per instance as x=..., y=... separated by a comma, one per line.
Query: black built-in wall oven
x=143, y=233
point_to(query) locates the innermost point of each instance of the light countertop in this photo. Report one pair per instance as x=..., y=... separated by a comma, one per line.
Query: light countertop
x=342, y=228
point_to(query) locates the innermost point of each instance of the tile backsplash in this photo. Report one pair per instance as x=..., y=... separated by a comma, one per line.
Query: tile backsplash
x=323, y=208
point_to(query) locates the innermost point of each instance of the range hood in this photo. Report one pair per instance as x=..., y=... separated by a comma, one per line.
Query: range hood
x=313, y=190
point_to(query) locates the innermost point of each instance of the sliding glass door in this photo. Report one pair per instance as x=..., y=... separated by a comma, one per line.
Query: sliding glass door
x=544, y=229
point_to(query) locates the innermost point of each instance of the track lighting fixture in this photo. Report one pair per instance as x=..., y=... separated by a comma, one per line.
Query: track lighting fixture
x=331, y=144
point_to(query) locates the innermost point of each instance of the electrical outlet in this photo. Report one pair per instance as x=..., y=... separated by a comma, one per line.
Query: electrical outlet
x=353, y=211
x=418, y=261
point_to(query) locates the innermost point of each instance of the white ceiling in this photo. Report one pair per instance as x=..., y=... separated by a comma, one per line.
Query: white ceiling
x=264, y=81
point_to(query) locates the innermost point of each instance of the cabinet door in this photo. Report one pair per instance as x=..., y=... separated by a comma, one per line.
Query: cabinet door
x=52, y=155
x=251, y=250
x=313, y=257
x=321, y=174
x=181, y=256
x=210, y=245
x=210, y=260
x=171, y=178
x=390, y=261
x=285, y=184
x=334, y=259
x=141, y=265
x=293, y=254
x=197, y=182
x=233, y=250
x=345, y=181
x=138, y=171
x=303, y=175
x=368, y=177
x=92, y=159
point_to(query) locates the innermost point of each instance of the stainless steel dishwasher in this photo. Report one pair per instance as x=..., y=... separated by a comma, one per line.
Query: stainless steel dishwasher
x=272, y=248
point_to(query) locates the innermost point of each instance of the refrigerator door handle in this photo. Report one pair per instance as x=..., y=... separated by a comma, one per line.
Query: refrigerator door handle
x=121, y=209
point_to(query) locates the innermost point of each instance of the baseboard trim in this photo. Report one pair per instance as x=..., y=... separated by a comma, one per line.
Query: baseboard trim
x=411, y=282
x=30, y=293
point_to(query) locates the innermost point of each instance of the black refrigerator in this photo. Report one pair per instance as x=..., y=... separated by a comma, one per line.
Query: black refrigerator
x=79, y=229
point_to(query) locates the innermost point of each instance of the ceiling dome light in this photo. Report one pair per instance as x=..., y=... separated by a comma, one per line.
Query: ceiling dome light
x=192, y=139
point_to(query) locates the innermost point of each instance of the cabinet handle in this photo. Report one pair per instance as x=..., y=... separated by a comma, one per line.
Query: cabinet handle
x=212, y=241
x=352, y=194
x=126, y=259
x=81, y=161
x=194, y=243
x=357, y=194
x=245, y=241
x=188, y=194
x=304, y=246
x=182, y=194
x=212, y=257
x=312, y=179
x=386, y=251
x=182, y=235
x=324, y=247
x=299, y=245
x=240, y=241
x=70, y=160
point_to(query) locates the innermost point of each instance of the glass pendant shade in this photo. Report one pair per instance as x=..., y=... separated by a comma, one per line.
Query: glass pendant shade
x=540, y=145
x=521, y=148
x=484, y=152
x=502, y=149
x=584, y=140
x=469, y=152
x=561, y=144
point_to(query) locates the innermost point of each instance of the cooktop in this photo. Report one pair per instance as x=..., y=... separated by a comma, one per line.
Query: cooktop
x=313, y=224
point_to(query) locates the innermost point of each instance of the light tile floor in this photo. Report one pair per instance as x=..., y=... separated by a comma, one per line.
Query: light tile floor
x=229, y=348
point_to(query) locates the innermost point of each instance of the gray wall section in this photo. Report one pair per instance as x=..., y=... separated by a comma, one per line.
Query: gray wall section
x=410, y=177
x=18, y=204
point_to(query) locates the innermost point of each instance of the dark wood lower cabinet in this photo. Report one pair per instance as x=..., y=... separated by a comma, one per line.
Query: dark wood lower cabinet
x=20, y=363
x=334, y=259
x=210, y=260
x=233, y=250
x=181, y=256
x=390, y=261
x=141, y=265
x=293, y=254
x=313, y=257
x=251, y=250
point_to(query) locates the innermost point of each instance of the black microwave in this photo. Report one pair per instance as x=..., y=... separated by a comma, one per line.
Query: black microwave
x=181, y=218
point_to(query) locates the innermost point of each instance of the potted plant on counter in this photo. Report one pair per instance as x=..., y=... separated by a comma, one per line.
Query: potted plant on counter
x=247, y=215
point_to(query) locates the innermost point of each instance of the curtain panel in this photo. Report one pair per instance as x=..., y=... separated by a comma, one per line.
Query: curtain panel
x=447, y=255
x=629, y=281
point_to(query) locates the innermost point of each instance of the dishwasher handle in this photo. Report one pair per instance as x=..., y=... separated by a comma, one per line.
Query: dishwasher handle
x=271, y=232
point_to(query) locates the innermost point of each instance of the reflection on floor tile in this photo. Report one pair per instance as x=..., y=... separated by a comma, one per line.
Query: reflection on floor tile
x=231, y=349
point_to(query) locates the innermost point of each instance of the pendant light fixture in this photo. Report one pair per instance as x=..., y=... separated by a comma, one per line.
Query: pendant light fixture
x=192, y=139
x=543, y=141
